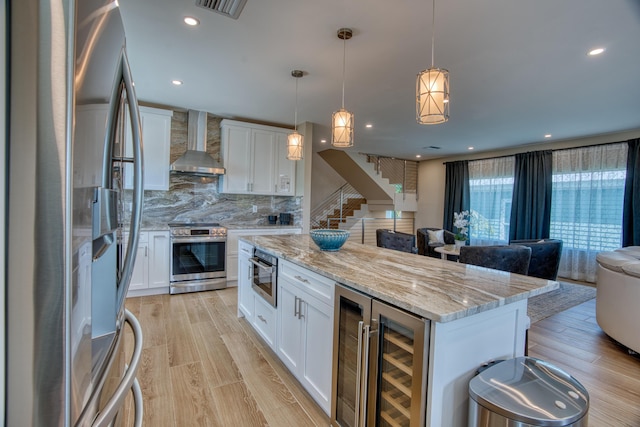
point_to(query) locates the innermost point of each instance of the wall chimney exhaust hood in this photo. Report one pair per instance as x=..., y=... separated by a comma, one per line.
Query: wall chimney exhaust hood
x=196, y=160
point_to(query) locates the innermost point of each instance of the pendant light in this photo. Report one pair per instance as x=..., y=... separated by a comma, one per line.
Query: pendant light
x=432, y=89
x=294, y=140
x=342, y=120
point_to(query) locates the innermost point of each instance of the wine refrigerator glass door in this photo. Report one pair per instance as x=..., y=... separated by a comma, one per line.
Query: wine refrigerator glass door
x=350, y=349
x=398, y=368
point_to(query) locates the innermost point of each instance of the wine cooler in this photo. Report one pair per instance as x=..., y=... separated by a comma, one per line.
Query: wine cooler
x=380, y=359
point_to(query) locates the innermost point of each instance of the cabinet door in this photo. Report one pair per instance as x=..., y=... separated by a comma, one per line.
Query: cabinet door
x=317, y=340
x=263, y=180
x=156, y=134
x=245, y=293
x=156, y=139
x=285, y=170
x=159, y=259
x=289, y=325
x=237, y=155
x=139, y=279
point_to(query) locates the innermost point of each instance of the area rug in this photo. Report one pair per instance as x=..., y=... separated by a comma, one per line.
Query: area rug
x=566, y=296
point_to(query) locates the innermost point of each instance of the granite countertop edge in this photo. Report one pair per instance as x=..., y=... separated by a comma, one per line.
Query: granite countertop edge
x=435, y=289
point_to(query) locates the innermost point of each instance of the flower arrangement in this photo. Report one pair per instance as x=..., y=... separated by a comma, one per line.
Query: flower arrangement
x=462, y=221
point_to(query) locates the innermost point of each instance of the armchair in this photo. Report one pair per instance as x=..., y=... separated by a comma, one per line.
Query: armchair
x=429, y=248
x=396, y=240
x=511, y=258
x=545, y=257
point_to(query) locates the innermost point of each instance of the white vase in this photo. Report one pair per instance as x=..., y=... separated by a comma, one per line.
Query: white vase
x=460, y=243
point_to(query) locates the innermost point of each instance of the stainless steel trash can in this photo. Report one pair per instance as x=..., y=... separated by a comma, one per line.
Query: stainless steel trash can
x=525, y=392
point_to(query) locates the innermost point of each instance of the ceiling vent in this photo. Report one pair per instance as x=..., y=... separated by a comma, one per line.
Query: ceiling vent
x=230, y=8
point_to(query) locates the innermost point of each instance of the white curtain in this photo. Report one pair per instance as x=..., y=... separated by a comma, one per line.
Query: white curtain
x=491, y=185
x=586, y=205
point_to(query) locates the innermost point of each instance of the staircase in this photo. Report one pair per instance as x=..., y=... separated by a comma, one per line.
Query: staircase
x=340, y=214
x=335, y=210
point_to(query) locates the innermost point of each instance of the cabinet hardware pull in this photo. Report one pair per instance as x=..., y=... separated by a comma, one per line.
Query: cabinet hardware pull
x=365, y=376
x=261, y=318
x=303, y=280
x=295, y=308
x=146, y=251
x=300, y=315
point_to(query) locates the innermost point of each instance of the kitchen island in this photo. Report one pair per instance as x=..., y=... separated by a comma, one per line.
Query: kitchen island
x=474, y=314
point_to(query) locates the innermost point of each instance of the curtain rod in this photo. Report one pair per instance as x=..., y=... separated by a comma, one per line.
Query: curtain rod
x=534, y=151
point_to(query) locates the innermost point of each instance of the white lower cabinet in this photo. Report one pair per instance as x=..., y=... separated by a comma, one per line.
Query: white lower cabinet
x=246, y=296
x=305, y=325
x=299, y=329
x=151, y=269
x=264, y=320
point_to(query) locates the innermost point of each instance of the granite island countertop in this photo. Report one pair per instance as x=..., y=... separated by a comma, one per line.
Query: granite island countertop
x=436, y=289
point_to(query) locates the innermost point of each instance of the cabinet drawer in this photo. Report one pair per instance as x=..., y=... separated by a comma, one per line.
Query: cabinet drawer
x=264, y=320
x=315, y=284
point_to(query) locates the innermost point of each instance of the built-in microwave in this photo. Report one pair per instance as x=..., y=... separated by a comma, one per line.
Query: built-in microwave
x=265, y=275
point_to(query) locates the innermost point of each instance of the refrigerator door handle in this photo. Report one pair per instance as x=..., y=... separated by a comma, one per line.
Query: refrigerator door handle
x=116, y=401
x=138, y=193
x=137, y=403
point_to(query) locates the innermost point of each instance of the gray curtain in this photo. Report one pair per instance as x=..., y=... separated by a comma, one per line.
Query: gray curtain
x=531, y=203
x=456, y=193
x=631, y=221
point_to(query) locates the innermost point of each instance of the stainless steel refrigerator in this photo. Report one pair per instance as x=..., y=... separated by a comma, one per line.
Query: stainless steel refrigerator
x=67, y=274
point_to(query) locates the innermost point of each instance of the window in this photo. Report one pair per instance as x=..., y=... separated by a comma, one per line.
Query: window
x=491, y=188
x=586, y=205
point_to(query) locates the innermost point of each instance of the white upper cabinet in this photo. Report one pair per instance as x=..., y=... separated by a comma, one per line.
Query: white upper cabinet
x=156, y=137
x=255, y=159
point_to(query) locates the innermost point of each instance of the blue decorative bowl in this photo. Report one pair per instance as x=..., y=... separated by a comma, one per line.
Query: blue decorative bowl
x=329, y=240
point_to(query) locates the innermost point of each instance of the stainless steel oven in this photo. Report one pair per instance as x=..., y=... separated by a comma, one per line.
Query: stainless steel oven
x=198, y=257
x=265, y=275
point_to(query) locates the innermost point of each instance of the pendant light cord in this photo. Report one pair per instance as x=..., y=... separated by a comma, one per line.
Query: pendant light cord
x=344, y=60
x=433, y=31
x=295, y=114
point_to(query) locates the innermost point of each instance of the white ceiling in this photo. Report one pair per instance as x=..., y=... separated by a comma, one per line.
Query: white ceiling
x=518, y=69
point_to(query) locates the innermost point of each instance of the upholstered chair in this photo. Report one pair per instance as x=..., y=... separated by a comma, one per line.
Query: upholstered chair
x=425, y=247
x=545, y=257
x=396, y=240
x=511, y=258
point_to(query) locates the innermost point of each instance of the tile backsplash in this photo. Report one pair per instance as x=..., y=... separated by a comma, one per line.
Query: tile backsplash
x=193, y=198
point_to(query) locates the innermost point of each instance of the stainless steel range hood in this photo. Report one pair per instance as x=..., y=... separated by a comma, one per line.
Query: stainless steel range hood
x=196, y=160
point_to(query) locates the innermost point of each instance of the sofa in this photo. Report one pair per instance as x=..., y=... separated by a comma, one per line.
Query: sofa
x=618, y=295
x=429, y=248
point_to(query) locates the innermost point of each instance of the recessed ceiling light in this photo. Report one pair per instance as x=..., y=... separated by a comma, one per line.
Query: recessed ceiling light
x=596, y=51
x=548, y=135
x=191, y=21
x=323, y=141
x=177, y=82
x=470, y=148
x=418, y=156
x=368, y=125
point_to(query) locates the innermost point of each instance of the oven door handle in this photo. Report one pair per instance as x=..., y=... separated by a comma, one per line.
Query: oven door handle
x=257, y=263
x=197, y=239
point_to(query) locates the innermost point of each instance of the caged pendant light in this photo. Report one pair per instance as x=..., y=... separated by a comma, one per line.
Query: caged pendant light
x=432, y=89
x=342, y=120
x=294, y=140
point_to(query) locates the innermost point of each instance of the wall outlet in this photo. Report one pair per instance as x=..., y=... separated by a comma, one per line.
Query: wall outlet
x=255, y=209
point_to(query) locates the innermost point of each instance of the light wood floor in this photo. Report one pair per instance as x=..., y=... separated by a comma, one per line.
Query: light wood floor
x=202, y=366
